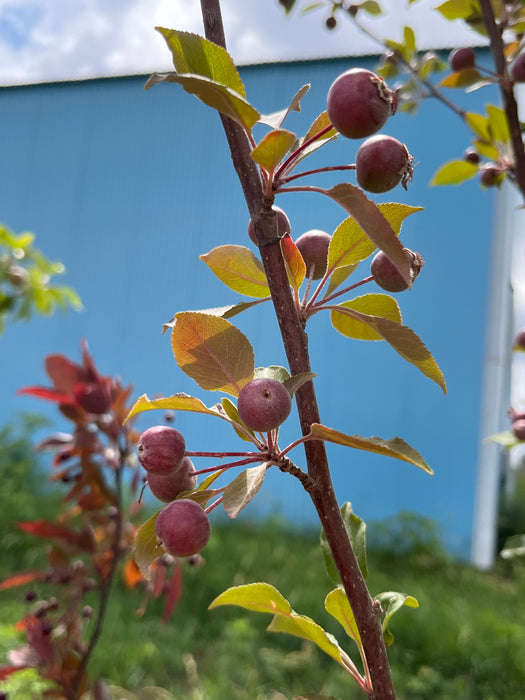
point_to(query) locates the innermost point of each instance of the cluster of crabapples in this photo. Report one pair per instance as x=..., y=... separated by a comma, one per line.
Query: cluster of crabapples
x=359, y=103
x=182, y=526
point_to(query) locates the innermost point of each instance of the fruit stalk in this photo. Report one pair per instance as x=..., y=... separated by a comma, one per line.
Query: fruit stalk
x=366, y=611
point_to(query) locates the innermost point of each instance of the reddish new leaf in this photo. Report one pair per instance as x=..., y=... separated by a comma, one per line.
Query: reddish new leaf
x=43, y=392
x=21, y=579
x=63, y=372
x=174, y=592
x=43, y=528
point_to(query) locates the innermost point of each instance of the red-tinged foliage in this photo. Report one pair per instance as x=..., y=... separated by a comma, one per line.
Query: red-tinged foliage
x=42, y=392
x=82, y=540
x=174, y=592
x=63, y=372
x=22, y=579
x=132, y=575
x=6, y=671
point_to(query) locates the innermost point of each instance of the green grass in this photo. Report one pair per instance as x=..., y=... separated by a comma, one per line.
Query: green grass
x=466, y=641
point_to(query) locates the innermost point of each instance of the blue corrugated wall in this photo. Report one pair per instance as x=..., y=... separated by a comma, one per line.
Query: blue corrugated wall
x=128, y=187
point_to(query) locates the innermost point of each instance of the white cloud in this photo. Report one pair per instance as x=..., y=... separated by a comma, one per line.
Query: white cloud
x=43, y=40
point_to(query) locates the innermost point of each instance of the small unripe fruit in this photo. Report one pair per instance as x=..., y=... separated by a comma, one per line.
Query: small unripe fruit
x=183, y=528
x=283, y=225
x=518, y=69
x=167, y=487
x=93, y=397
x=490, y=175
x=359, y=102
x=18, y=276
x=161, y=449
x=264, y=404
x=460, y=59
x=471, y=156
x=382, y=162
x=313, y=246
x=386, y=274
x=331, y=22
x=519, y=341
x=518, y=429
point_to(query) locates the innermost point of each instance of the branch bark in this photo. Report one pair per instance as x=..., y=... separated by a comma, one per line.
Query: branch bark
x=367, y=612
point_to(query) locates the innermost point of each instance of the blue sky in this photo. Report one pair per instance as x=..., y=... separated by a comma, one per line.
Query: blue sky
x=45, y=40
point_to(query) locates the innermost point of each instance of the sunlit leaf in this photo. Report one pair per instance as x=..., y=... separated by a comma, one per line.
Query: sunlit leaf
x=486, y=149
x=455, y=9
x=293, y=259
x=479, y=125
x=239, y=269
x=409, y=39
x=195, y=54
x=403, y=340
x=177, y=402
x=371, y=7
x=305, y=628
x=381, y=305
x=281, y=374
x=272, y=148
x=498, y=124
x=224, y=311
x=243, y=489
x=275, y=119
x=391, y=601
x=462, y=78
x=454, y=173
x=213, y=94
x=212, y=351
x=373, y=222
x=258, y=597
x=147, y=547
x=396, y=447
x=232, y=412
x=296, y=382
x=506, y=438
x=338, y=276
x=336, y=603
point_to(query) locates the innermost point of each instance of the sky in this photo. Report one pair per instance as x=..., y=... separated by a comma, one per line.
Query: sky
x=50, y=40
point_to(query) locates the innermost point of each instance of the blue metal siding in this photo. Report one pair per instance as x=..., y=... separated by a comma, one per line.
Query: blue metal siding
x=128, y=187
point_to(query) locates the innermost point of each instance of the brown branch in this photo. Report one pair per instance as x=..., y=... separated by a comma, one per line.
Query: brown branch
x=510, y=105
x=367, y=614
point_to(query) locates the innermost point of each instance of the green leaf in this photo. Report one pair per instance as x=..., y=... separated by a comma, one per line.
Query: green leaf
x=296, y=382
x=454, y=173
x=456, y=9
x=506, y=438
x=497, y=123
x=410, y=39
x=212, y=351
x=258, y=597
x=461, y=79
x=381, y=305
x=281, y=374
x=337, y=277
x=479, y=125
x=272, y=148
x=391, y=601
x=319, y=123
x=402, y=339
x=195, y=54
x=177, y=402
x=243, y=489
x=239, y=269
x=486, y=149
x=396, y=447
x=213, y=94
x=336, y=603
x=223, y=311
x=356, y=529
x=231, y=411
x=295, y=265
x=371, y=7
x=276, y=119
x=147, y=547
x=373, y=222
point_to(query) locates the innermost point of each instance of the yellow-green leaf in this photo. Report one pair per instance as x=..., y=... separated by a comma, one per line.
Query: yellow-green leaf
x=195, y=54
x=272, y=148
x=374, y=223
x=371, y=304
x=396, y=447
x=243, y=489
x=462, y=78
x=212, y=351
x=277, y=118
x=454, y=173
x=336, y=603
x=486, y=149
x=338, y=276
x=409, y=39
x=305, y=628
x=391, y=601
x=231, y=411
x=239, y=269
x=177, y=402
x=213, y=94
x=479, y=125
x=147, y=547
x=498, y=125
x=258, y=597
x=456, y=9
x=404, y=341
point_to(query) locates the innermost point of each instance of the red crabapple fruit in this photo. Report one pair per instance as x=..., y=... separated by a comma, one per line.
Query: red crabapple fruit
x=359, y=102
x=386, y=274
x=382, y=162
x=166, y=487
x=313, y=246
x=518, y=429
x=161, y=449
x=183, y=528
x=517, y=69
x=283, y=225
x=460, y=59
x=490, y=175
x=264, y=404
